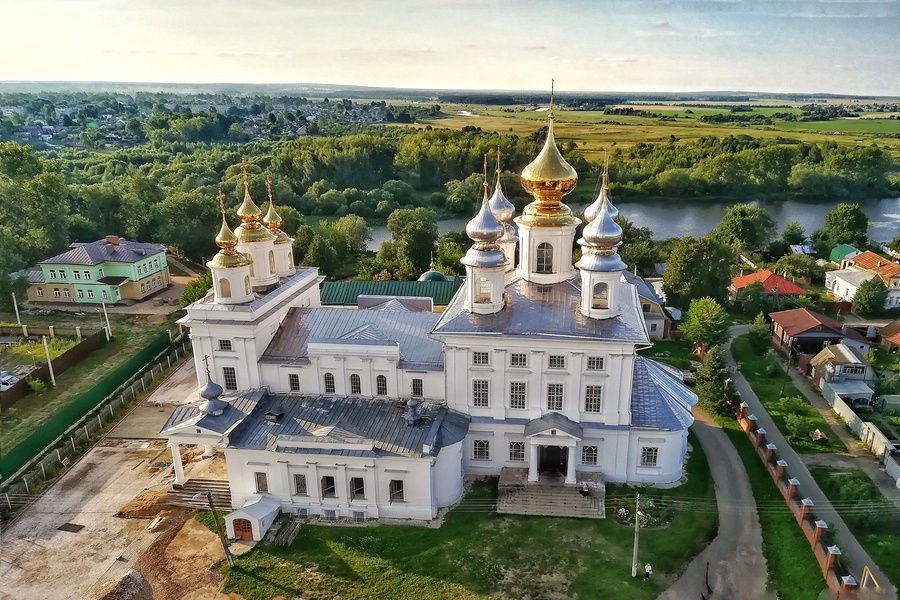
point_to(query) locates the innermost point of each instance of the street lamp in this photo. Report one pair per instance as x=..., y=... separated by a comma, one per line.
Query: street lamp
x=208, y=494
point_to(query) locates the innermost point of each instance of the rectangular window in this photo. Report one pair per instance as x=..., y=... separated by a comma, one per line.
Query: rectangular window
x=91, y=294
x=481, y=449
x=479, y=392
x=329, y=515
x=40, y=292
x=554, y=396
x=105, y=296
x=517, y=394
x=517, y=451
x=100, y=272
x=87, y=274
x=854, y=370
x=229, y=376
x=595, y=363
x=76, y=274
x=52, y=274
x=262, y=482
x=396, y=490
x=359, y=516
x=328, y=489
x=80, y=293
x=299, y=484
x=417, y=390
x=649, y=456
x=67, y=294
x=56, y=292
x=592, y=395
x=645, y=307
x=294, y=382
x=225, y=345
x=518, y=359
x=357, y=488
x=557, y=361
x=589, y=455
x=652, y=326
x=480, y=358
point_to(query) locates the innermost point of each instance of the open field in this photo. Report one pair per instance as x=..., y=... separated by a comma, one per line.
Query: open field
x=595, y=132
x=130, y=334
x=476, y=554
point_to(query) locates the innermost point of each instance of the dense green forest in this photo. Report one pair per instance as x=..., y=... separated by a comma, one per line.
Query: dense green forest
x=161, y=185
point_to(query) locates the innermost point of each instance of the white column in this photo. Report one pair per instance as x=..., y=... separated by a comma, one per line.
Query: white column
x=570, y=466
x=176, y=464
x=532, y=462
x=208, y=451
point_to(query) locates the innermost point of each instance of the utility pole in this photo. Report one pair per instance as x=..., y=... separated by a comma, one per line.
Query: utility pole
x=637, y=530
x=106, y=316
x=221, y=533
x=16, y=306
x=49, y=362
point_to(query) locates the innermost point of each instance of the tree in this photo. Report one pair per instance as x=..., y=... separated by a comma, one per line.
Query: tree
x=353, y=229
x=321, y=253
x=748, y=226
x=793, y=234
x=756, y=299
x=714, y=388
x=464, y=195
x=447, y=256
x=697, y=267
x=196, y=289
x=302, y=240
x=870, y=297
x=415, y=232
x=847, y=224
x=705, y=323
x=800, y=266
x=895, y=244
x=759, y=333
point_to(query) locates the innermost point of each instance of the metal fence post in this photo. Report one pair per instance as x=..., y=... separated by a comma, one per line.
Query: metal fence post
x=57, y=455
x=25, y=481
x=43, y=470
x=86, y=434
x=71, y=439
x=8, y=503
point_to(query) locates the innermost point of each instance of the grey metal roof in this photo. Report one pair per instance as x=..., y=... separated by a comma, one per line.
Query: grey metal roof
x=544, y=311
x=35, y=275
x=645, y=290
x=349, y=418
x=395, y=303
x=408, y=330
x=237, y=409
x=854, y=277
x=659, y=400
x=554, y=420
x=95, y=253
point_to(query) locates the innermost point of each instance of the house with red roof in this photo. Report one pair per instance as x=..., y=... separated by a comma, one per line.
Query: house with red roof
x=773, y=284
x=802, y=331
x=889, y=336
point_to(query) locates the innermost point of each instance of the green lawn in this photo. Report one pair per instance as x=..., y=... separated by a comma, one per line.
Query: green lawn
x=18, y=354
x=795, y=418
x=476, y=554
x=679, y=354
x=130, y=334
x=871, y=518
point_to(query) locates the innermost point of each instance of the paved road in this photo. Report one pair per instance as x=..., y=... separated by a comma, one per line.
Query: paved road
x=737, y=568
x=854, y=556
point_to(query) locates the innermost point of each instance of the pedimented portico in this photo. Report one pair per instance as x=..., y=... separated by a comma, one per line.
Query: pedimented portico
x=552, y=442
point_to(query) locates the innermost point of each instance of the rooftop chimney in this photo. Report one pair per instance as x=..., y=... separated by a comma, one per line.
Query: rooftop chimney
x=411, y=414
x=112, y=239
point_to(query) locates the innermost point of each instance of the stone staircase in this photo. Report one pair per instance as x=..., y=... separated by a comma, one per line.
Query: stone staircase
x=552, y=501
x=183, y=495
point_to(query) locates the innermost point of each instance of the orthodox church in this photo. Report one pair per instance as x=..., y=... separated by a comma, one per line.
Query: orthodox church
x=381, y=411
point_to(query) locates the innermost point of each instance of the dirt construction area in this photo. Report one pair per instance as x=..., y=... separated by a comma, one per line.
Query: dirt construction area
x=87, y=537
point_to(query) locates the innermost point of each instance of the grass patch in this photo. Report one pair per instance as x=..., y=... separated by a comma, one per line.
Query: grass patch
x=476, y=554
x=130, y=334
x=843, y=126
x=18, y=354
x=869, y=515
x=794, y=418
x=677, y=353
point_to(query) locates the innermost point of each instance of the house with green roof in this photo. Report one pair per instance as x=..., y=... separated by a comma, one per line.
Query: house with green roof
x=346, y=293
x=109, y=270
x=842, y=252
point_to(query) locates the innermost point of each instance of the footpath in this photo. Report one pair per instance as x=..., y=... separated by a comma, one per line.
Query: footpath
x=854, y=556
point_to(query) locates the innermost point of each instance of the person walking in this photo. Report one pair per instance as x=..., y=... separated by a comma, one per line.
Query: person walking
x=648, y=571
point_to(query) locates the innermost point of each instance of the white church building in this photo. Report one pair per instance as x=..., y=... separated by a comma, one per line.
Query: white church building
x=380, y=412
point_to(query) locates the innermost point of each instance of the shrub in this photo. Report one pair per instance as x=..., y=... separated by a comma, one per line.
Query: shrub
x=795, y=404
x=37, y=386
x=798, y=427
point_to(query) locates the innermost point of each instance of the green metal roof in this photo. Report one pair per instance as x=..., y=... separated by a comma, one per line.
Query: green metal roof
x=839, y=252
x=344, y=293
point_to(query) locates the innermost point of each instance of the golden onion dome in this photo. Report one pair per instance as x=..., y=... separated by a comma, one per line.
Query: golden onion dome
x=272, y=220
x=549, y=177
x=226, y=238
x=248, y=210
x=283, y=238
x=247, y=233
x=228, y=260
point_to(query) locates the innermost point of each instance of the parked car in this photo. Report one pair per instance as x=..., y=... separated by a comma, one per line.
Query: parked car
x=7, y=381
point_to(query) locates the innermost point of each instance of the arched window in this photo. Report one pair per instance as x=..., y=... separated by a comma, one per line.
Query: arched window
x=483, y=290
x=544, y=258
x=355, y=384
x=271, y=261
x=329, y=383
x=601, y=296
x=246, y=284
x=224, y=288
x=381, y=385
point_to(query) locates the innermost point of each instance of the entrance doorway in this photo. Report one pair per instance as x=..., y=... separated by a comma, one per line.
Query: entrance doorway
x=243, y=529
x=553, y=459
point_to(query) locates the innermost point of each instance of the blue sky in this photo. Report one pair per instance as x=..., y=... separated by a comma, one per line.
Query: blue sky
x=777, y=46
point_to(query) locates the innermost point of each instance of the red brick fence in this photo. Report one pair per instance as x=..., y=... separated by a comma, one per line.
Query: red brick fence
x=836, y=576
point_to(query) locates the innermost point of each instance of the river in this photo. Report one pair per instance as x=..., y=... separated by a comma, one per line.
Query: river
x=678, y=218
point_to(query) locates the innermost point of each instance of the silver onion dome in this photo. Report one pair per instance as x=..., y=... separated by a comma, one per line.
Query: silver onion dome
x=500, y=206
x=484, y=227
x=602, y=232
x=590, y=213
x=211, y=390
